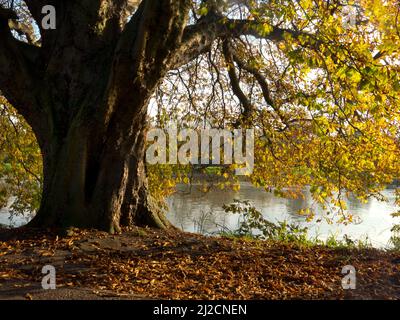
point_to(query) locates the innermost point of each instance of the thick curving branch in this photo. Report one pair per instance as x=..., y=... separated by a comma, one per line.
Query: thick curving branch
x=151, y=37
x=19, y=73
x=199, y=38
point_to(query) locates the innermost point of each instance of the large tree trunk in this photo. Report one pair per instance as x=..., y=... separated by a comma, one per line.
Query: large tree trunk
x=85, y=93
x=98, y=183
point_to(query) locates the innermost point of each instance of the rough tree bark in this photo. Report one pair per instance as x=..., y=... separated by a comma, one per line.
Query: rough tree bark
x=85, y=92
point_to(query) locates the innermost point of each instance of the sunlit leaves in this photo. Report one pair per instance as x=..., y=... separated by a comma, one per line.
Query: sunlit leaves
x=20, y=162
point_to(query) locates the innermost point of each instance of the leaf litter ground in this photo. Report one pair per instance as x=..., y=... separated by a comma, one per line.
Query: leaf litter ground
x=152, y=264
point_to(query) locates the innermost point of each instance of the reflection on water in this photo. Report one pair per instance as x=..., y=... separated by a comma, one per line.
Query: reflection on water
x=14, y=220
x=195, y=211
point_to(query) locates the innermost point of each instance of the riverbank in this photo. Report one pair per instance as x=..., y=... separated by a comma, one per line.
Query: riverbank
x=151, y=264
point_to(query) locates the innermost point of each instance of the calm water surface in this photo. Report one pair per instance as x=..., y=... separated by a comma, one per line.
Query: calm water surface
x=195, y=211
x=190, y=209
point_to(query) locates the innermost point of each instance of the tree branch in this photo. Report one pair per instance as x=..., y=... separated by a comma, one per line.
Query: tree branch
x=234, y=79
x=18, y=65
x=262, y=82
x=198, y=38
x=154, y=31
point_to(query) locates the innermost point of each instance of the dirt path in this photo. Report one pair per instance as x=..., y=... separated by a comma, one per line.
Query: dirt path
x=147, y=264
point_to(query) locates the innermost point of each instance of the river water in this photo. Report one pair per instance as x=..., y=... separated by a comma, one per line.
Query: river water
x=195, y=211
